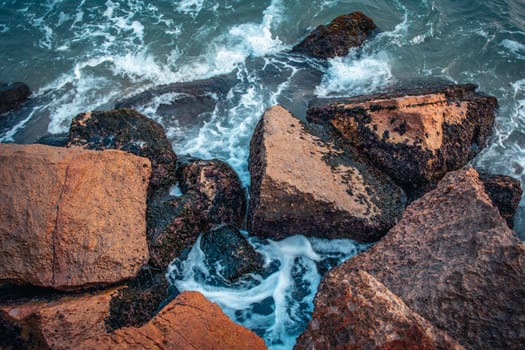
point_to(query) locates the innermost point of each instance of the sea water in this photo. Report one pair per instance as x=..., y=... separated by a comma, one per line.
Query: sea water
x=83, y=55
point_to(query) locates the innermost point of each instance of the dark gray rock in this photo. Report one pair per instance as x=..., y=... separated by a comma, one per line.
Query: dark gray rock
x=13, y=95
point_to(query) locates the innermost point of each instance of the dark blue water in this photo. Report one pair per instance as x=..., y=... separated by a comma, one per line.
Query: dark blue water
x=85, y=55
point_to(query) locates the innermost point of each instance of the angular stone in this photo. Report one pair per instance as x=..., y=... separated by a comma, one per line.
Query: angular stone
x=415, y=136
x=361, y=313
x=13, y=95
x=211, y=195
x=188, y=322
x=505, y=193
x=71, y=218
x=229, y=254
x=336, y=38
x=303, y=184
x=59, y=323
x=453, y=260
x=129, y=131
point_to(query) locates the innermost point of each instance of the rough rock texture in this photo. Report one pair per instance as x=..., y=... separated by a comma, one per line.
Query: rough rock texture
x=139, y=301
x=361, y=313
x=187, y=102
x=12, y=95
x=453, y=260
x=71, y=218
x=505, y=193
x=229, y=254
x=304, y=184
x=335, y=39
x=59, y=324
x=415, y=136
x=129, y=131
x=212, y=194
x=188, y=322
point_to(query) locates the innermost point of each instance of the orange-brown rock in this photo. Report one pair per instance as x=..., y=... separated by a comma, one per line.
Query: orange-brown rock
x=453, y=260
x=336, y=38
x=301, y=183
x=58, y=324
x=71, y=218
x=187, y=322
x=361, y=313
x=415, y=136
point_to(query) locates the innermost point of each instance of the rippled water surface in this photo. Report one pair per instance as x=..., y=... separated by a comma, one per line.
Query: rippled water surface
x=85, y=55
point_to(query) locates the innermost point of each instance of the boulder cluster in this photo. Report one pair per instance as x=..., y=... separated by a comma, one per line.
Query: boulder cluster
x=90, y=221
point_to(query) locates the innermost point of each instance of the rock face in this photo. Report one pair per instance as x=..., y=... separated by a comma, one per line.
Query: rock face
x=58, y=324
x=304, y=184
x=71, y=218
x=189, y=321
x=212, y=195
x=335, y=39
x=12, y=95
x=361, y=313
x=186, y=102
x=505, y=193
x=229, y=254
x=128, y=131
x=453, y=260
x=415, y=136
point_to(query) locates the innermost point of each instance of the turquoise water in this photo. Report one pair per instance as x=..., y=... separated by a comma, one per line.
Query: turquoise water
x=85, y=55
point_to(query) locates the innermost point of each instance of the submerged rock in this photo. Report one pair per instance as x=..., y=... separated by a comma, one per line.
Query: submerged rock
x=13, y=95
x=228, y=253
x=58, y=323
x=71, y=218
x=185, y=102
x=211, y=195
x=301, y=183
x=505, y=193
x=188, y=322
x=336, y=38
x=453, y=260
x=415, y=136
x=361, y=313
x=129, y=131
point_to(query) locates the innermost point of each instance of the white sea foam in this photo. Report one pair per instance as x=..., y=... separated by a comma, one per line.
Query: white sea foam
x=515, y=47
x=353, y=75
x=3, y=28
x=190, y=7
x=278, y=303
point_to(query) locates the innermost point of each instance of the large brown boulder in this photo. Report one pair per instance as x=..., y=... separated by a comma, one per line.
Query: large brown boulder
x=129, y=131
x=12, y=95
x=71, y=218
x=453, y=260
x=188, y=322
x=336, y=38
x=58, y=323
x=211, y=195
x=301, y=183
x=415, y=136
x=361, y=313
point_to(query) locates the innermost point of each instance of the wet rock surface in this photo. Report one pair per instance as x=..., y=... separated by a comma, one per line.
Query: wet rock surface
x=211, y=195
x=505, y=193
x=189, y=321
x=301, y=183
x=415, y=136
x=228, y=253
x=71, y=218
x=12, y=95
x=453, y=260
x=57, y=323
x=190, y=103
x=336, y=38
x=361, y=313
x=129, y=131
